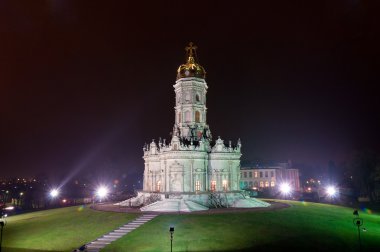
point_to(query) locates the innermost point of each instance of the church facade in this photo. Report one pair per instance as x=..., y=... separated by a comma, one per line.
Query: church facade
x=191, y=162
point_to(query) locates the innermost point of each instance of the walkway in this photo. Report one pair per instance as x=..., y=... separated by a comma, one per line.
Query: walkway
x=103, y=241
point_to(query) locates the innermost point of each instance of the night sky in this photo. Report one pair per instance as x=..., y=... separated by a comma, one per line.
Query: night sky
x=84, y=84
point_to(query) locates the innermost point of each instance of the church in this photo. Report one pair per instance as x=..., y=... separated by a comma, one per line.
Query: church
x=190, y=162
x=191, y=172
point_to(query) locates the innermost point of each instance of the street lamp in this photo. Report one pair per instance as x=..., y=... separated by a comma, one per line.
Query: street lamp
x=54, y=193
x=171, y=230
x=285, y=189
x=102, y=192
x=358, y=222
x=331, y=191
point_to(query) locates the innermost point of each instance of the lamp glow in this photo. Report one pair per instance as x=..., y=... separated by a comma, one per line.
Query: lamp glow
x=331, y=191
x=54, y=193
x=102, y=192
x=285, y=188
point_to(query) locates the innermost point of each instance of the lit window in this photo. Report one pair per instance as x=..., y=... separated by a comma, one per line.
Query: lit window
x=266, y=184
x=272, y=183
x=197, y=185
x=256, y=174
x=261, y=184
x=158, y=186
x=225, y=185
x=213, y=185
x=197, y=116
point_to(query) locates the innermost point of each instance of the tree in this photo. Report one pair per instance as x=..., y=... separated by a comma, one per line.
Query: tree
x=364, y=172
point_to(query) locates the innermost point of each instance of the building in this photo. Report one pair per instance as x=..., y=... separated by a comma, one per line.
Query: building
x=262, y=176
x=191, y=162
x=191, y=172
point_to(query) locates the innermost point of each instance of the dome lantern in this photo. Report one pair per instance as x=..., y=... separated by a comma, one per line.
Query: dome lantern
x=191, y=68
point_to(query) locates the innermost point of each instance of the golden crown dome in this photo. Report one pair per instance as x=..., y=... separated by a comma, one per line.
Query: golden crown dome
x=191, y=68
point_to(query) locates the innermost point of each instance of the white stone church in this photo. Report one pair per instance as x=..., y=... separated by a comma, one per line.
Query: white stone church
x=190, y=167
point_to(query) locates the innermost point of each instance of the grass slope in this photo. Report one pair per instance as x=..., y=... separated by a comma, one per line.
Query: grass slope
x=62, y=229
x=304, y=226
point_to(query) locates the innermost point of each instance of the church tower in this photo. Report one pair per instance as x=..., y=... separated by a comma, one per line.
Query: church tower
x=184, y=174
x=189, y=163
x=190, y=108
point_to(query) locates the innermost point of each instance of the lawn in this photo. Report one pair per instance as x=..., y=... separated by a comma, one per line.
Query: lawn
x=62, y=229
x=301, y=227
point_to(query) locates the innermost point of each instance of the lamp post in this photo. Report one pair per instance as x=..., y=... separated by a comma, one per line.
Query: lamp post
x=358, y=222
x=2, y=224
x=171, y=230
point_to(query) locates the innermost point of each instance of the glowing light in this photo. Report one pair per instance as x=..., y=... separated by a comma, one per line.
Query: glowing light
x=331, y=191
x=54, y=193
x=285, y=188
x=9, y=208
x=102, y=192
x=64, y=201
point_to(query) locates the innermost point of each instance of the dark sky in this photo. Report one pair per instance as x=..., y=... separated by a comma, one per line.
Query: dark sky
x=84, y=84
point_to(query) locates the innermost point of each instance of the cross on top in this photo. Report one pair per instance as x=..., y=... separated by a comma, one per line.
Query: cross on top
x=191, y=49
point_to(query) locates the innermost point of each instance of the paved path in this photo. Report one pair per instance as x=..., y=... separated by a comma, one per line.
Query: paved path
x=106, y=239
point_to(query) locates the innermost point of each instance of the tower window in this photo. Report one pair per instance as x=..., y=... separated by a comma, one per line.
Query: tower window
x=197, y=98
x=179, y=117
x=197, y=116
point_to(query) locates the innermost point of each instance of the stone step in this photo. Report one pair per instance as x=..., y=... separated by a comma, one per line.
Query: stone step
x=108, y=239
x=100, y=242
x=113, y=236
x=121, y=231
x=127, y=228
x=116, y=234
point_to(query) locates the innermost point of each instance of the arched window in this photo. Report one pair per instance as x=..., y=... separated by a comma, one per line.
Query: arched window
x=187, y=116
x=197, y=99
x=197, y=116
x=158, y=186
